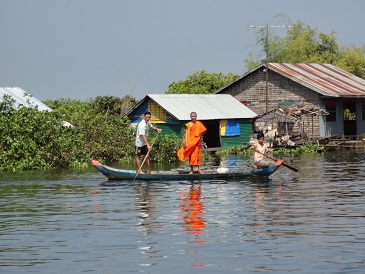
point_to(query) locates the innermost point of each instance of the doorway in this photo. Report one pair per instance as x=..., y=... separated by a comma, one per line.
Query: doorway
x=212, y=137
x=349, y=117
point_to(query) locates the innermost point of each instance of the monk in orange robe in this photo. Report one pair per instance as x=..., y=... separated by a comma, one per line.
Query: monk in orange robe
x=192, y=143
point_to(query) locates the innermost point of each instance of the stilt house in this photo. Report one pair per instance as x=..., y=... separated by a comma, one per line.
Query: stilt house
x=312, y=86
x=226, y=119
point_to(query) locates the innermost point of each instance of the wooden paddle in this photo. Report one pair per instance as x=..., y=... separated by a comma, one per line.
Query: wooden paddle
x=286, y=165
x=145, y=157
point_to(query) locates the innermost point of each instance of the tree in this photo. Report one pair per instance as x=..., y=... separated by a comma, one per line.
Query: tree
x=113, y=104
x=300, y=44
x=201, y=82
x=328, y=51
x=352, y=60
x=303, y=44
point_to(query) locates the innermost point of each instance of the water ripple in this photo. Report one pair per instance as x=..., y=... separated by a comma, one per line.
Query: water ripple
x=306, y=222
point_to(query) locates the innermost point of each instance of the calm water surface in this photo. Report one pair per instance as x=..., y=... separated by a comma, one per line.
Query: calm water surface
x=311, y=221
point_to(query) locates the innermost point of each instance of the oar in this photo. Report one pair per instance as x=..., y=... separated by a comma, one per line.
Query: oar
x=145, y=157
x=284, y=164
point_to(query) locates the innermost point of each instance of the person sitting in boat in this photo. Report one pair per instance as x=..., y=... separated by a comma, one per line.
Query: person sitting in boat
x=260, y=150
x=142, y=145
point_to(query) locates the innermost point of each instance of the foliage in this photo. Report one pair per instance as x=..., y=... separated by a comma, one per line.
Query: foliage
x=36, y=140
x=353, y=61
x=236, y=150
x=106, y=135
x=165, y=148
x=112, y=104
x=201, y=82
x=307, y=148
x=206, y=155
x=348, y=115
x=303, y=44
x=109, y=137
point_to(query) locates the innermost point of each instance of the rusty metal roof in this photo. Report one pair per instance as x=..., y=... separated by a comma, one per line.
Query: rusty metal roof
x=207, y=106
x=325, y=79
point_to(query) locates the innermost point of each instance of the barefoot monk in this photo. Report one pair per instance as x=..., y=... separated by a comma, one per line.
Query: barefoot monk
x=192, y=143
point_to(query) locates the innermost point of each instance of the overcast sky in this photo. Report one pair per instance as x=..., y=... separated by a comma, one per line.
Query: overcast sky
x=81, y=49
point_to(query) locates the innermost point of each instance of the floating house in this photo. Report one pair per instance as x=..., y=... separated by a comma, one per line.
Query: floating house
x=226, y=119
x=311, y=86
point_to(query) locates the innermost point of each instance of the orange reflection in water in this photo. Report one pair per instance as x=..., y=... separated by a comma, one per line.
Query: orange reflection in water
x=193, y=220
x=95, y=194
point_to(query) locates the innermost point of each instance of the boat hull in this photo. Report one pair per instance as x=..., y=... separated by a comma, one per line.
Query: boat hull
x=115, y=174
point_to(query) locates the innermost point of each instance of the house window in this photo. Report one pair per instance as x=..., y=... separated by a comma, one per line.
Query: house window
x=363, y=109
x=331, y=107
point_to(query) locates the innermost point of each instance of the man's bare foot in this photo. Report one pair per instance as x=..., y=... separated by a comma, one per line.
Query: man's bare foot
x=200, y=172
x=149, y=172
x=140, y=172
x=191, y=172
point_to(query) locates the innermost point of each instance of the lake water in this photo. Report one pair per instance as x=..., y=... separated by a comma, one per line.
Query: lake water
x=67, y=221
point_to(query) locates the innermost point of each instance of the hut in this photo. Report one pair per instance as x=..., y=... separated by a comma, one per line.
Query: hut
x=284, y=126
x=312, y=86
x=226, y=119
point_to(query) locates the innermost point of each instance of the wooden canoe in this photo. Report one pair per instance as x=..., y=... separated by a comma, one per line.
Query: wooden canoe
x=115, y=174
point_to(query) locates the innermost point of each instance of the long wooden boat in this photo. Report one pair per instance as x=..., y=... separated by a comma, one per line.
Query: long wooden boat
x=115, y=174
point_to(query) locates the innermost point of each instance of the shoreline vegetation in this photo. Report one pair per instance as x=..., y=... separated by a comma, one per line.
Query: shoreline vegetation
x=307, y=148
x=96, y=129
x=33, y=139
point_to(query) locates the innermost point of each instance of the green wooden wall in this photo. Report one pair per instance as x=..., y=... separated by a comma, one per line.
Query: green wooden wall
x=226, y=142
x=243, y=139
x=171, y=128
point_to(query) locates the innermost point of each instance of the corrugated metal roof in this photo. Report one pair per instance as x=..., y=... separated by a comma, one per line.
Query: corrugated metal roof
x=325, y=79
x=23, y=98
x=207, y=106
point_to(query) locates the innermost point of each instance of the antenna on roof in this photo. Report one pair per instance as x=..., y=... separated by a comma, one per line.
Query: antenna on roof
x=266, y=48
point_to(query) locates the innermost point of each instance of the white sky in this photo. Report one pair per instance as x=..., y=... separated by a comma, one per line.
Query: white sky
x=81, y=49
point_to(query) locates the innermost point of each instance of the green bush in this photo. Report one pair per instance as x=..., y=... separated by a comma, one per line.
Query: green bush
x=236, y=150
x=33, y=139
x=307, y=148
x=165, y=148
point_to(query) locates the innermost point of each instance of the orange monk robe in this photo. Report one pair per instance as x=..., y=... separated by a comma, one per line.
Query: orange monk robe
x=192, y=143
